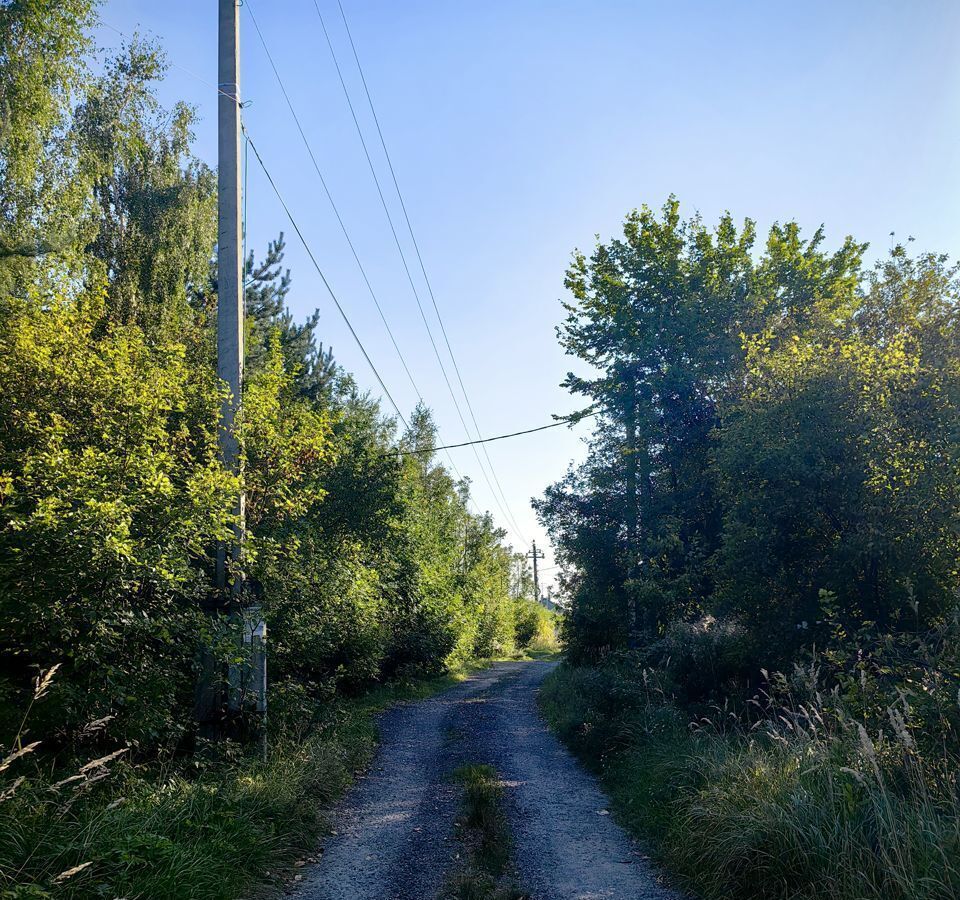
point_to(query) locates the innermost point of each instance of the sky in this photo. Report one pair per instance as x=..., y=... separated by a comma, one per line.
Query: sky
x=521, y=130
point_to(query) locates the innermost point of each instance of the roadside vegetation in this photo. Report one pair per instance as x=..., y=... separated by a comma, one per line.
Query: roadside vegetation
x=209, y=824
x=760, y=554
x=485, y=872
x=372, y=571
x=798, y=801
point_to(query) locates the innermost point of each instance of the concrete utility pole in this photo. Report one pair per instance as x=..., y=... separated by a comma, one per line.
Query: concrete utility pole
x=229, y=261
x=209, y=702
x=536, y=554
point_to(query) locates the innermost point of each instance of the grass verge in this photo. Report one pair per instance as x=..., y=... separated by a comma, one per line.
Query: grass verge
x=203, y=828
x=801, y=811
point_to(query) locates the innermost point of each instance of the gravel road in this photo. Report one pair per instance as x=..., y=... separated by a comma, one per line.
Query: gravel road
x=394, y=835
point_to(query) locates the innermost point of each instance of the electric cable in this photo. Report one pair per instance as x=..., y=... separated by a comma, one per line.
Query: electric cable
x=329, y=196
x=506, y=513
x=569, y=420
x=343, y=227
x=323, y=277
x=250, y=143
x=416, y=247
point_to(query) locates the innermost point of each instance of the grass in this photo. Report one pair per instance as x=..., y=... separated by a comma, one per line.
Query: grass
x=205, y=827
x=788, y=813
x=485, y=835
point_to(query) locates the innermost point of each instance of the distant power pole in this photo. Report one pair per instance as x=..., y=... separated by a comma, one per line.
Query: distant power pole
x=536, y=554
x=229, y=262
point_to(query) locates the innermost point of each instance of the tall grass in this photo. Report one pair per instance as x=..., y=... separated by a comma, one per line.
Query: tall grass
x=799, y=801
x=210, y=826
x=176, y=831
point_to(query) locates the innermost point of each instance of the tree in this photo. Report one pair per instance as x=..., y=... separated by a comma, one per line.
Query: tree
x=774, y=430
x=267, y=286
x=42, y=67
x=839, y=459
x=112, y=496
x=657, y=313
x=364, y=555
x=154, y=204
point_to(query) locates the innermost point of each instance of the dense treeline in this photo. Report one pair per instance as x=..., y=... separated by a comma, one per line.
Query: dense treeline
x=764, y=541
x=777, y=451
x=370, y=567
x=368, y=562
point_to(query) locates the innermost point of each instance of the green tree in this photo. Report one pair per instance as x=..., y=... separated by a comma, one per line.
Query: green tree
x=657, y=315
x=267, y=286
x=111, y=498
x=154, y=203
x=839, y=459
x=772, y=427
x=42, y=68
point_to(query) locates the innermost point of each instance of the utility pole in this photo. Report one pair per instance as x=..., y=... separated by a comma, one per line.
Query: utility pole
x=229, y=263
x=535, y=554
x=209, y=704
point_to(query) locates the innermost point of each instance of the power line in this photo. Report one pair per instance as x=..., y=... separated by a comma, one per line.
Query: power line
x=202, y=80
x=329, y=196
x=343, y=227
x=506, y=513
x=416, y=247
x=290, y=217
x=323, y=277
x=386, y=391
x=571, y=420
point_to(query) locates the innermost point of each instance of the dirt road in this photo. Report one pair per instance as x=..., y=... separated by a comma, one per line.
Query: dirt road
x=395, y=838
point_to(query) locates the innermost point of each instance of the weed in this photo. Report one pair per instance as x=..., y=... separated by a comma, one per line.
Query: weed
x=210, y=826
x=485, y=834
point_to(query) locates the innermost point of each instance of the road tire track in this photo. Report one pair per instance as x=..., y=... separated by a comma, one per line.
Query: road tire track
x=394, y=831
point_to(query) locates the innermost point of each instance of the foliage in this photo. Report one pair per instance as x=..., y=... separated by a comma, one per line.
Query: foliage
x=367, y=563
x=153, y=203
x=112, y=492
x=857, y=423
x=42, y=191
x=805, y=802
x=535, y=627
x=366, y=559
x=773, y=424
x=205, y=826
x=772, y=485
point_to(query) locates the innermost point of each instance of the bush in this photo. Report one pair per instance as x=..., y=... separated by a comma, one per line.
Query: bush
x=800, y=802
x=111, y=496
x=534, y=626
x=708, y=660
x=206, y=826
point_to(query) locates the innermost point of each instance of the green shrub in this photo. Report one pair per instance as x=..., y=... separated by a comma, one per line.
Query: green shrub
x=534, y=626
x=802, y=803
x=112, y=496
x=208, y=826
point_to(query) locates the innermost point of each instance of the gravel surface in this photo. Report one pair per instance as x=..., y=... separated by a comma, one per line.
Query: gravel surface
x=394, y=835
x=567, y=845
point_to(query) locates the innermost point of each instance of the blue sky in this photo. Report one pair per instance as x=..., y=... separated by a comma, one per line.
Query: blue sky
x=519, y=130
